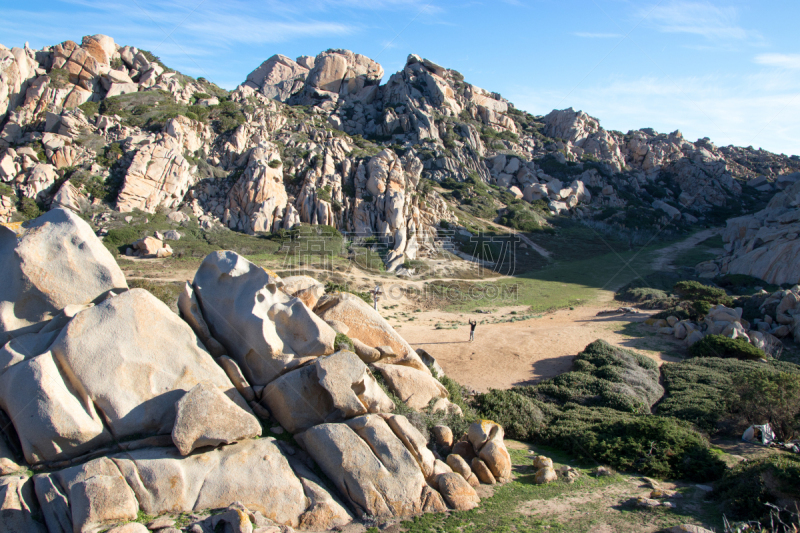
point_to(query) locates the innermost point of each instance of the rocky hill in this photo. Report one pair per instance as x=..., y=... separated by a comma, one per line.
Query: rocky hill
x=321, y=141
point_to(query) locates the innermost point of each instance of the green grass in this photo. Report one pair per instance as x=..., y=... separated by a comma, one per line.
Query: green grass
x=565, y=283
x=508, y=509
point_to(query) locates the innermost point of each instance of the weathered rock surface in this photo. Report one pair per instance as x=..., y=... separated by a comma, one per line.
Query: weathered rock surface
x=159, y=480
x=206, y=417
x=58, y=261
x=487, y=439
x=127, y=360
x=368, y=326
x=458, y=494
x=18, y=506
x=191, y=313
x=414, y=387
x=8, y=464
x=765, y=245
x=158, y=176
x=278, y=77
x=262, y=328
x=370, y=466
x=331, y=389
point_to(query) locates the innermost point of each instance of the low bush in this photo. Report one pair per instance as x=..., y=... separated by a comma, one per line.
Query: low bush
x=700, y=390
x=29, y=208
x=331, y=287
x=522, y=218
x=120, y=238
x=653, y=445
x=743, y=284
x=604, y=375
x=724, y=347
x=701, y=296
x=59, y=78
x=520, y=417
x=745, y=490
x=341, y=338
x=641, y=294
x=761, y=395
x=166, y=292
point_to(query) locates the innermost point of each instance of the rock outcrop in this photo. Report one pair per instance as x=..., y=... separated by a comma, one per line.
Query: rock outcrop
x=56, y=262
x=766, y=245
x=274, y=142
x=264, y=330
x=133, y=416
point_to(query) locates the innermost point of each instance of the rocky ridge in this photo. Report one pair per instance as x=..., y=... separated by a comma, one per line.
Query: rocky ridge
x=321, y=141
x=139, y=410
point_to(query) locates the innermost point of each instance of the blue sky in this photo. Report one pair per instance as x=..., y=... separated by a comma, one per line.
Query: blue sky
x=726, y=70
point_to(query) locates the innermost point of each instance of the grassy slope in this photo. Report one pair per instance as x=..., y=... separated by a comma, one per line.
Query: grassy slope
x=565, y=282
x=586, y=505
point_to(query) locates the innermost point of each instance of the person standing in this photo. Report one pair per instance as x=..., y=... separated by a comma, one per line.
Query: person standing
x=472, y=324
x=376, y=292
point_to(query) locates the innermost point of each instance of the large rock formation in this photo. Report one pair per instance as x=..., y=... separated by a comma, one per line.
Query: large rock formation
x=273, y=143
x=56, y=262
x=766, y=245
x=279, y=77
x=264, y=330
x=116, y=398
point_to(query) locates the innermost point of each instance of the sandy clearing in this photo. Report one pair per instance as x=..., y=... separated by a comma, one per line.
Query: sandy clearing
x=507, y=354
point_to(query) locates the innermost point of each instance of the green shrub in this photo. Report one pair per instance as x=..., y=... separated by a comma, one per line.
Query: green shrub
x=324, y=193
x=743, y=284
x=166, y=292
x=520, y=417
x=605, y=375
x=696, y=291
x=275, y=163
x=762, y=395
x=655, y=446
x=120, y=238
x=641, y=294
x=89, y=109
x=723, y=347
x=745, y=490
x=331, y=287
x=29, y=208
x=522, y=218
x=59, y=78
x=341, y=338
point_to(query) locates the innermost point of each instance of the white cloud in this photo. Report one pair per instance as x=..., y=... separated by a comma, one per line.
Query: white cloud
x=589, y=35
x=790, y=61
x=698, y=18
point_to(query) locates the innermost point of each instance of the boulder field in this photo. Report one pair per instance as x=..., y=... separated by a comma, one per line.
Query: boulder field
x=114, y=407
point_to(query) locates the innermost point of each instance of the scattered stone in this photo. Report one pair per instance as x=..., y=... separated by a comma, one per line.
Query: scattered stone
x=601, y=471
x=18, y=505
x=414, y=387
x=545, y=475
x=482, y=472
x=443, y=436
x=540, y=461
x=689, y=528
x=458, y=494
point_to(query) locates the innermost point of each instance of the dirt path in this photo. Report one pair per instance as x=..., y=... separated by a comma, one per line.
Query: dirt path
x=665, y=256
x=537, y=248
